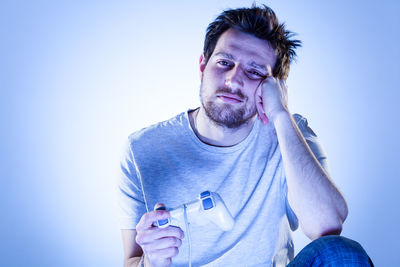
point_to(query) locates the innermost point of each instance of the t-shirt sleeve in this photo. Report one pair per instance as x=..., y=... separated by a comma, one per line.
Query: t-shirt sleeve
x=129, y=192
x=312, y=140
x=319, y=153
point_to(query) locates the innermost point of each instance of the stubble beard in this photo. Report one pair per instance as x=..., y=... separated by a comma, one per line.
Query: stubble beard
x=227, y=115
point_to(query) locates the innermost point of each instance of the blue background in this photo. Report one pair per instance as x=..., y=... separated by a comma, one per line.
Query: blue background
x=76, y=77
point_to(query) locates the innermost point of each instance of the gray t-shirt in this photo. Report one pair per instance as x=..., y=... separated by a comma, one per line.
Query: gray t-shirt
x=176, y=166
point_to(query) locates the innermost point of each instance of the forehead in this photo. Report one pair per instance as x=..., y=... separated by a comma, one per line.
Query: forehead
x=247, y=47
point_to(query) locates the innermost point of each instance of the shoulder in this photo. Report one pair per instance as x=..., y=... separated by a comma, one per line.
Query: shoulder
x=160, y=129
x=311, y=139
x=302, y=123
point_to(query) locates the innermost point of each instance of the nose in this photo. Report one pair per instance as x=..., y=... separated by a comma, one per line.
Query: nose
x=233, y=79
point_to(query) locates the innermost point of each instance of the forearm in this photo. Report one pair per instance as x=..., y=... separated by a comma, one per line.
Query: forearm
x=318, y=204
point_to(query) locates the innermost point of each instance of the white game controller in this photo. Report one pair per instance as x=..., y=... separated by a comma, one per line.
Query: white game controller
x=209, y=207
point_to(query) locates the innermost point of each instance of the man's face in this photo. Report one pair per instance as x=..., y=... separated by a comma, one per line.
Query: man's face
x=239, y=63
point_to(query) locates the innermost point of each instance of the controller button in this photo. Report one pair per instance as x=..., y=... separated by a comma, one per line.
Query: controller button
x=205, y=194
x=162, y=222
x=207, y=203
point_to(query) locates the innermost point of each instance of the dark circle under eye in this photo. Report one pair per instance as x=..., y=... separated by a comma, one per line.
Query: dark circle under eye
x=256, y=73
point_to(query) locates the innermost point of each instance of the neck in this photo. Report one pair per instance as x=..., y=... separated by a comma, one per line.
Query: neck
x=213, y=134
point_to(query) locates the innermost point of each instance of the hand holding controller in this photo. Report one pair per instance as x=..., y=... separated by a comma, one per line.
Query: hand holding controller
x=209, y=207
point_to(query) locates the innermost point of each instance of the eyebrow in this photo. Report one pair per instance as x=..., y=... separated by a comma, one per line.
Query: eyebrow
x=257, y=66
x=253, y=63
x=225, y=55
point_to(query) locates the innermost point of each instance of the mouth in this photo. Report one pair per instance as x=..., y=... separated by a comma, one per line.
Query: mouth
x=229, y=98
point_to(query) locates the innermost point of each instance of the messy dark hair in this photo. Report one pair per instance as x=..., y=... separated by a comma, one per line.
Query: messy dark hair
x=260, y=22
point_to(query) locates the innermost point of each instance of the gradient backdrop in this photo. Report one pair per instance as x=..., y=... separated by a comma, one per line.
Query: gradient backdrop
x=76, y=77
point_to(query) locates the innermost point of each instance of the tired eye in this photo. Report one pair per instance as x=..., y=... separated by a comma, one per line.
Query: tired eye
x=224, y=63
x=252, y=74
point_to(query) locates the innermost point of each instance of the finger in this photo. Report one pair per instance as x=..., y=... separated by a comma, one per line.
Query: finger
x=284, y=90
x=165, y=242
x=260, y=107
x=146, y=222
x=158, y=205
x=151, y=235
x=165, y=222
x=163, y=253
x=159, y=261
x=261, y=113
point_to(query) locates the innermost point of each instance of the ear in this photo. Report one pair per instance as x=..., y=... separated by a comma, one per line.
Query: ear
x=202, y=64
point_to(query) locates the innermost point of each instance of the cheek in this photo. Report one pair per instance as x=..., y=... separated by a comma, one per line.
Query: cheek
x=211, y=83
x=214, y=79
x=251, y=88
x=206, y=90
x=214, y=75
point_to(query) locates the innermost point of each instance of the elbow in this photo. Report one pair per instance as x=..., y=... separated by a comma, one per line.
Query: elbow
x=344, y=212
x=334, y=229
x=331, y=226
x=324, y=231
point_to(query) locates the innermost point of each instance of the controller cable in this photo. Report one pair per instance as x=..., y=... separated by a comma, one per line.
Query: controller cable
x=147, y=208
x=188, y=233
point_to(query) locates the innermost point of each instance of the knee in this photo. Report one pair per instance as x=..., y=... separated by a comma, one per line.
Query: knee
x=336, y=242
x=338, y=250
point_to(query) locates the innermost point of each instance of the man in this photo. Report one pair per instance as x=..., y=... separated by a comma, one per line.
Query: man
x=243, y=144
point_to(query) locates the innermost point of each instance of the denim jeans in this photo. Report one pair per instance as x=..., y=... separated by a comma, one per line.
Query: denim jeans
x=331, y=251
